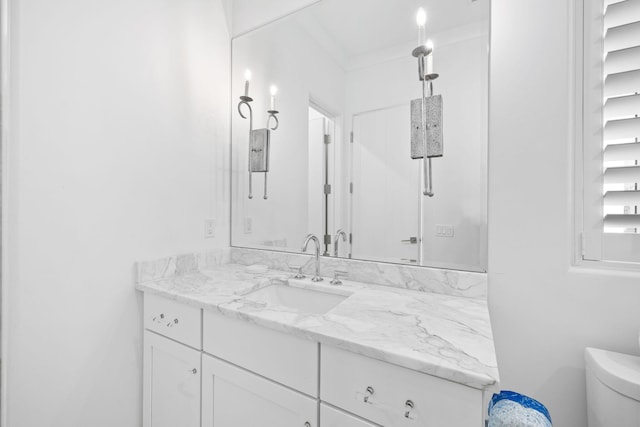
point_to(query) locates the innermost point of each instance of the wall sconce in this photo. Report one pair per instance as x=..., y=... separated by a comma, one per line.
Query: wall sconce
x=259, y=139
x=426, y=112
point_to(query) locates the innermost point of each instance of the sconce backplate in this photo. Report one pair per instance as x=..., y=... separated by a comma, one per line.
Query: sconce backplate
x=259, y=150
x=433, y=106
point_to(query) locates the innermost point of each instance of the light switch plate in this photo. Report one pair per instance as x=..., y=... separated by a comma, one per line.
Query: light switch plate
x=248, y=225
x=444, y=230
x=209, y=228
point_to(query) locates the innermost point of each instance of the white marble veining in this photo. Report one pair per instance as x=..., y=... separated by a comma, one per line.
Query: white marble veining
x=425, y=279
x=445, y=336
x=167, y=267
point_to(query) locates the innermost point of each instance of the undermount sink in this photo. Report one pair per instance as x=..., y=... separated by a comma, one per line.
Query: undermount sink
x=302, y=299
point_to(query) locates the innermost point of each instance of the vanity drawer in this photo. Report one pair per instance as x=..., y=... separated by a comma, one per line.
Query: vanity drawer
x=332, y=417
x=173, y=320
x=280, y=357
x=345, y=378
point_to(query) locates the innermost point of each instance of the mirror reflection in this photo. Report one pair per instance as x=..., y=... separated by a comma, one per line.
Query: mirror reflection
x=339, y=161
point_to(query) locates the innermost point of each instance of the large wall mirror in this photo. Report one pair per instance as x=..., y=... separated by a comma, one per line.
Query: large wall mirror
x=338, y=152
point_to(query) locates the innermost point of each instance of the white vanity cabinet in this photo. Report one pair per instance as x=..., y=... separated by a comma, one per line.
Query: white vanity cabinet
x=281, y=357
x=235, y=397
x=173, y=320
x=258, y=377
x=332, y=417
x=394, y=396
x=172, y=363
x=212, y=370
x=171, y=390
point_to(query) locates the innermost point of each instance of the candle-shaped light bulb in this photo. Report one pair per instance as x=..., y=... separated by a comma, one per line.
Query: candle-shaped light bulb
x=421, y=20
x=247, y=79
x=421, y=17
x=429, y=46
x=274, y=90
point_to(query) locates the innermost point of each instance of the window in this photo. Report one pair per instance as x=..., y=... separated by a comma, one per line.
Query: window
x=611, y=130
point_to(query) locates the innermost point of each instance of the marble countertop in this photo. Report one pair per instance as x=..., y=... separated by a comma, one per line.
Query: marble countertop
x=440, y=335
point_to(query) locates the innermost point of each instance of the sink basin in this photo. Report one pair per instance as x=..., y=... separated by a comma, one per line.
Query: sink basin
x=302, y=299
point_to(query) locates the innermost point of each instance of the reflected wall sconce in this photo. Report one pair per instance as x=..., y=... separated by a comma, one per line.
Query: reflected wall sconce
x=426, y=112
x=259, y=139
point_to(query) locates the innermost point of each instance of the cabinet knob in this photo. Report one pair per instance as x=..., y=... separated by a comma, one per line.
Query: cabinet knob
x=159, y=318
x=172, y=324
x=307, y=424
x=194, y=371
x=370, y=392
x=408, y=406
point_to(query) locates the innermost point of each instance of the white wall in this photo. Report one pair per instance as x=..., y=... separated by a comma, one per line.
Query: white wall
x=543, y=310
x=117, y=151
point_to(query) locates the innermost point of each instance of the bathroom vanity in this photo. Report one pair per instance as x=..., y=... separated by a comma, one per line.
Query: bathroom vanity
x=223, y=347
x=342, y=167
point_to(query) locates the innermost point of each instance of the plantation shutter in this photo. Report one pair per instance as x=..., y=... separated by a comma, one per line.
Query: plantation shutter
x=610, y=133
x=621, y=108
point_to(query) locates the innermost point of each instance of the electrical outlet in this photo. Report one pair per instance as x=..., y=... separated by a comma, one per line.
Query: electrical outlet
x=248, y=225
x=209, y=228
x=444, y=230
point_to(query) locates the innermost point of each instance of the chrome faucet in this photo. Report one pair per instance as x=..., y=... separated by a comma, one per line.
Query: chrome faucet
x=337, y=240
x=316, y=277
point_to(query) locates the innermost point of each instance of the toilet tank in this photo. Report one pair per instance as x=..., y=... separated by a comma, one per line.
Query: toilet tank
x=613, y=388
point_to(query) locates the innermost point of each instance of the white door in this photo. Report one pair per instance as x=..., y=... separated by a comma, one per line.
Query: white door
x=331, y=417
x=233, y=397
x=385, y=220
x=171, y=378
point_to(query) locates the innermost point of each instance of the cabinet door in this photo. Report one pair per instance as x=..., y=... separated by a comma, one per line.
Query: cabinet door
x=233, y=397
x=331, y=417
x=171, y=390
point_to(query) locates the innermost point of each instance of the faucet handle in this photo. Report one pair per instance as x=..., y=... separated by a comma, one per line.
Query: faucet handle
x=337, y=274
x=298, y=270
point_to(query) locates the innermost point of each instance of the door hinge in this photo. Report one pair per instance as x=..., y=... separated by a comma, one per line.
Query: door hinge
x=350, y=238
x=351, y=187
x=583, y=244
x=327, y=139
x=327, y=239
x=327, y=189
x=351, y=137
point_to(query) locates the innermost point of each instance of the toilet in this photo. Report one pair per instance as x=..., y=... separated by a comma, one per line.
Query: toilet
x=613, y=388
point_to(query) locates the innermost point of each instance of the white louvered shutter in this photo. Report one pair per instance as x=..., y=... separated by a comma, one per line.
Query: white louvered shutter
x=612, y=127
x=621, y=109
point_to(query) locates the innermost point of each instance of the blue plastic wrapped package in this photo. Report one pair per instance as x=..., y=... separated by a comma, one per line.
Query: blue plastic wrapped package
x=511, y=409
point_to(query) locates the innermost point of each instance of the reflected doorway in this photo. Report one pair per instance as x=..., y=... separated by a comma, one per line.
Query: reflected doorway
x=383, y=225
x=321, y=167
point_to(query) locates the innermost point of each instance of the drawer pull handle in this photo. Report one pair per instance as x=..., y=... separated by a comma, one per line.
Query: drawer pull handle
x=171, y=324
x=408, y=406
x=159, y=318
x=370, y=392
